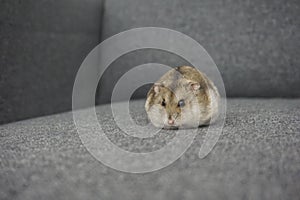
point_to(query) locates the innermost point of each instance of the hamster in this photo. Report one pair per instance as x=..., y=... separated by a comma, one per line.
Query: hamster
x=184, y=97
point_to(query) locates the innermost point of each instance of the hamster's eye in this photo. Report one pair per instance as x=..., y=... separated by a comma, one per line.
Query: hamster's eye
x=181, y=103
x=163, y=103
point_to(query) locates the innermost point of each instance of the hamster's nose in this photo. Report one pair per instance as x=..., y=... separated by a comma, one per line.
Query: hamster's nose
x=171, y=121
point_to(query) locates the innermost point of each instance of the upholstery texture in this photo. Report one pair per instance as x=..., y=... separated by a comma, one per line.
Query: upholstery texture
x=255, y=43
x=256, y=157
x=42, y=45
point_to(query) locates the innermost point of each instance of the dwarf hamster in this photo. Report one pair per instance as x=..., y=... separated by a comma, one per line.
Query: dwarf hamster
x=184, y=97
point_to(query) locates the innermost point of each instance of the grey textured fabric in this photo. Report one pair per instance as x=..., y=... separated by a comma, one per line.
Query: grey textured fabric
x=257, y=157
x=255, y=43
x=42, y=46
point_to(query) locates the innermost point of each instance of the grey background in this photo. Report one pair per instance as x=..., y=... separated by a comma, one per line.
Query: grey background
x=42, y=45
x=254, y=43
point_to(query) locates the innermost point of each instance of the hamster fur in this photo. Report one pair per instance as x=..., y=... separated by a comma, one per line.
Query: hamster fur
x=184, y=97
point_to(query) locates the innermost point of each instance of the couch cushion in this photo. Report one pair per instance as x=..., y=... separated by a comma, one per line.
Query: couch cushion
x=254, y=43
x=256, y=157
x=42, y=46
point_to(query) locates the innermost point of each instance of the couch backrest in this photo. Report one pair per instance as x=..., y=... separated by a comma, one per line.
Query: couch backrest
x=42, y=44
x=255, y=44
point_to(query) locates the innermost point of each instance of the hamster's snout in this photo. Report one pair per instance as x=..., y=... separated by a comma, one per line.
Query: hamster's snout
x=171, y=121
x=172, y=118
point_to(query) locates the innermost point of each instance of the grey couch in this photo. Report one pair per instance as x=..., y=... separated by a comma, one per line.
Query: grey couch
x=255, y=45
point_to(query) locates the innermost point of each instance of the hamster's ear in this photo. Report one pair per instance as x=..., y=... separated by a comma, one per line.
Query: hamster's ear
x=156, y=88
x=194, y=86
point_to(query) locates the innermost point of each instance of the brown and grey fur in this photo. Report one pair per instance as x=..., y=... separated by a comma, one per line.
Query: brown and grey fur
x=199, y=93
